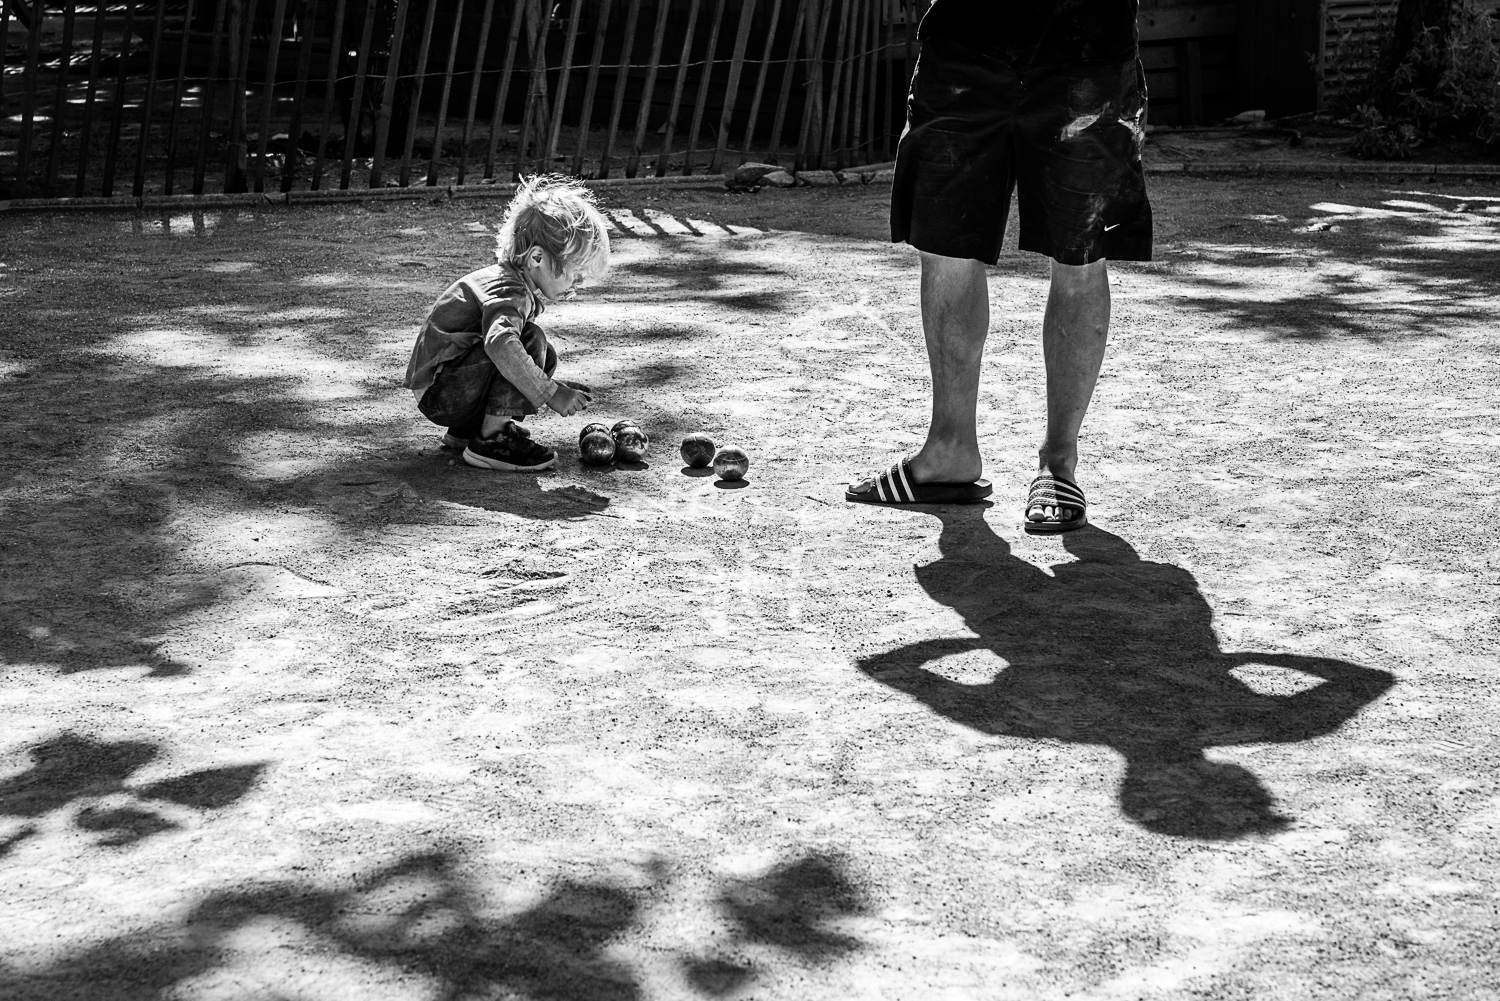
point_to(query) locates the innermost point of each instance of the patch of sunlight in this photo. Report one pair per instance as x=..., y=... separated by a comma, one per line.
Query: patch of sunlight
x=1456, y=198
x=585, y=310
x=1458, y=238
x=385, y=811
x=325, y=280
x=269, y=581
x=1211, y=921
x=1459, y=229
x=1212, y=253
x=270, y=956
x=1222, y=939
x=1342, y=211
x=666, y=222
x=190, y=224
x=230, y=267
x=215, y=311
x=626, y=223
x=1265, y=680
x=189, y=347
x=1387, y=296
x=282, y=455
x=1402, y=203
x=970, y=667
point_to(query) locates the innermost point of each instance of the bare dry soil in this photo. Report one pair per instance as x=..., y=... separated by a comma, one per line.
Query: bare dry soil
x=298, y=708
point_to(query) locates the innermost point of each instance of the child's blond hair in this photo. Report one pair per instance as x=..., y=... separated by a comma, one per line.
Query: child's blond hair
x=559, y=215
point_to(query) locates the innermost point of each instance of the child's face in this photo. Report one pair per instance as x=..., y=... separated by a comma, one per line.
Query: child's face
x=554, y=284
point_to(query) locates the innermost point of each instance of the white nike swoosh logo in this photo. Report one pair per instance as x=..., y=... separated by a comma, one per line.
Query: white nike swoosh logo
x=1108, y=228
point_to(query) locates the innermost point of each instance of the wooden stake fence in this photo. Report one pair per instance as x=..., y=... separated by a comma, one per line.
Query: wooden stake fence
x=239, y=83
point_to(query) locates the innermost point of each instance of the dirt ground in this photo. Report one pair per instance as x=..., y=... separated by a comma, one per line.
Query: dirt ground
x=298, y=708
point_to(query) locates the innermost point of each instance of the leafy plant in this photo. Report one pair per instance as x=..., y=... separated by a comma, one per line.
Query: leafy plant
x=1446, y=85
x=1449, y=83
x=1381, y=140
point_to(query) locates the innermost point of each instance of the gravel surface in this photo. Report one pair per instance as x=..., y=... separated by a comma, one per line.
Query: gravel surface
x=297, y=707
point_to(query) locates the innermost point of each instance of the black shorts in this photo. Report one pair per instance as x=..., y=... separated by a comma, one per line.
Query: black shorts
x=1068, y=137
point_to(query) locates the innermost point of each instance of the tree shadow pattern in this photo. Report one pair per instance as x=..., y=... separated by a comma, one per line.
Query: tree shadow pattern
x=98, y=460
x=1426, y=280
x=1117, y=651
x=794, y=908
x=70, y=769
x=421, y=916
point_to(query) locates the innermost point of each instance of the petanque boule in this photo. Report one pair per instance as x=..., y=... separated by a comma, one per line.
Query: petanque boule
x=631, y=444
x=731, y=463
x=597, y=448
x=622, y=425
x=698, y=450
x=590, y=428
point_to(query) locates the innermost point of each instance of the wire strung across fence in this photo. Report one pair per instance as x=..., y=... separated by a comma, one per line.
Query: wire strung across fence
x=261, y=95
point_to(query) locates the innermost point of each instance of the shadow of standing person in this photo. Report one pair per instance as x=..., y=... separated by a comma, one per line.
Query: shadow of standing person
x=1118, y=651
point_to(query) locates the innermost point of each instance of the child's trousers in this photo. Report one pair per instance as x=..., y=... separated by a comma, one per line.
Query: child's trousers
x=471, y=386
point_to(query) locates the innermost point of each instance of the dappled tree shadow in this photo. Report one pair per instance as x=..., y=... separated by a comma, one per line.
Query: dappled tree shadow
x=100, y=459
x=791, y=905
x=691, y=266
x=69, y=769
x=756, y=301
x=1432, y=268
x=123, y=825
x=420, y=915
x=1117, y=651
x=792, y=908
x=153, y=402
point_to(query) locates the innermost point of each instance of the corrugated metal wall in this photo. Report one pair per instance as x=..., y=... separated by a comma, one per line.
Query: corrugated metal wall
x=1352, y=35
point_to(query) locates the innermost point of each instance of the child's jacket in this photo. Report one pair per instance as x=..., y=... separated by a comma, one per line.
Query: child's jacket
x=491, y=305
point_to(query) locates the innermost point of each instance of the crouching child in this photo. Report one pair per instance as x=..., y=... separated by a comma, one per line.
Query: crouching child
x=481, y=363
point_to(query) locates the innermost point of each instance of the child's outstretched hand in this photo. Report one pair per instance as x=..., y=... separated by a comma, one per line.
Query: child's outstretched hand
x=568, y=401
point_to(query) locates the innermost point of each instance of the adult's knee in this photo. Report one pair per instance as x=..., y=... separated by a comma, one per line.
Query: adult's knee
x=1081, y=279
x=957, y=270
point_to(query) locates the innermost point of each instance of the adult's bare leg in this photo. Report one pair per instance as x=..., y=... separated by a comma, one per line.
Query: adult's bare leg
x=1075, y=330
x=955, y=323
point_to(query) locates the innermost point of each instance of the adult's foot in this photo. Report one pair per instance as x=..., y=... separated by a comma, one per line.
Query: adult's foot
x=1059, y=463
x=939, y=462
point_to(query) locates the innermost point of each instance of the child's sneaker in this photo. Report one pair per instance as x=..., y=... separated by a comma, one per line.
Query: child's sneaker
x=511, y=450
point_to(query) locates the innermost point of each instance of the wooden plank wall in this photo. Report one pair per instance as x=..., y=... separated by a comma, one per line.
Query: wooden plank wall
x=1188, y=49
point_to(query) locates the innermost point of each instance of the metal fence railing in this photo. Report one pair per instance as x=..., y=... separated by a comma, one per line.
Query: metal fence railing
x=200, y=96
